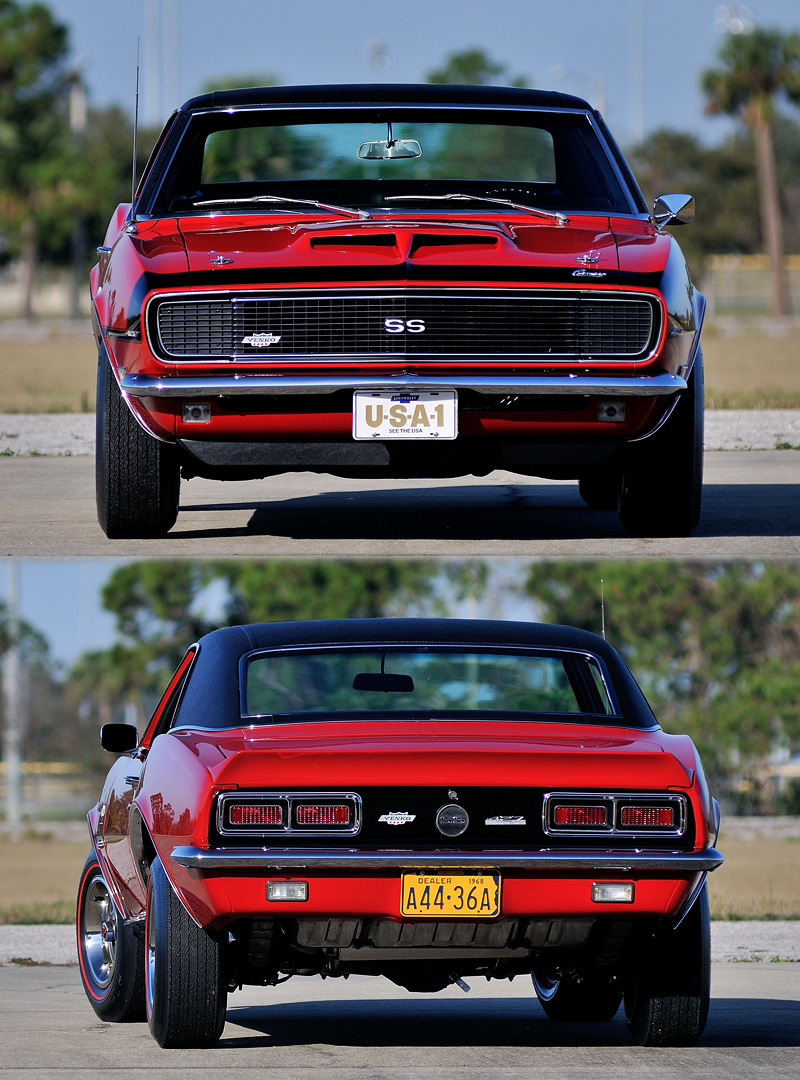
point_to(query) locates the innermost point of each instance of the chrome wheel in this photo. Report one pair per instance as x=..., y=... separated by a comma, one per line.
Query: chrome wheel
x=99, y=926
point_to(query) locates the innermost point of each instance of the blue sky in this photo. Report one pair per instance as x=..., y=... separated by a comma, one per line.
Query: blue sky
x=643, y=57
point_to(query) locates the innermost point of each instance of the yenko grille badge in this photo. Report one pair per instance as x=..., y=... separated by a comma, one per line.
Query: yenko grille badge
x=258, y=341
x=397, y=817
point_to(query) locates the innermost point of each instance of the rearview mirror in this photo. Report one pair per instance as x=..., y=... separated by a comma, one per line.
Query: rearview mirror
x=384, y=149
x=383, y=682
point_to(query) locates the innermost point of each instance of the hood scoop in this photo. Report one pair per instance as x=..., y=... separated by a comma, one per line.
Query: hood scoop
x=403, y=244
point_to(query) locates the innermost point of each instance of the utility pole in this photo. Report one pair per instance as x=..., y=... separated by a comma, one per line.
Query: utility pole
x=13, y=724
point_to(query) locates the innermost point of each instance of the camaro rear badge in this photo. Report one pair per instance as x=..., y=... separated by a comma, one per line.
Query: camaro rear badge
x=258, y=341
x=506, y=819
x=397, y=817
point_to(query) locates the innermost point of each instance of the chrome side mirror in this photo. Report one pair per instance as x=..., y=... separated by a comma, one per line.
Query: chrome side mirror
x=673, y=210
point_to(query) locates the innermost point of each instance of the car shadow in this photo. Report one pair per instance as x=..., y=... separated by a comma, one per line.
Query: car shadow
x=508, y=1022
x=486, y=512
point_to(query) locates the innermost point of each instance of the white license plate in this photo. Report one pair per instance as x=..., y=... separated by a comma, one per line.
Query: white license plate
x=425, y=414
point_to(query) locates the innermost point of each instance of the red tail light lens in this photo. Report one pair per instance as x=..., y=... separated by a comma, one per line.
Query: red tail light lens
x=647, y=817
x=581, y=815
x=316, y=814
x=250, y=814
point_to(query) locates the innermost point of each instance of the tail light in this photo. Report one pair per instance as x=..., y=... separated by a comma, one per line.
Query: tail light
x=269, y=813
x=581, y=815
x=647, y=817
x=255, y=814
x=322, y=814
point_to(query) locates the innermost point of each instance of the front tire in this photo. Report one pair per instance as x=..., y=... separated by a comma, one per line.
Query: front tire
x=110, y=954
x=137, y=477
x=667, y=996
x=584, y=1000
x=662, y=478
x=184, y=983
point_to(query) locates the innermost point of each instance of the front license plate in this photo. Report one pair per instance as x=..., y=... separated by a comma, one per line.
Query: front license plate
x=459, y=896
x=427, y=414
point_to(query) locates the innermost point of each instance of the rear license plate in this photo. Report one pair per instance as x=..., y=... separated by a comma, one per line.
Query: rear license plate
x=459, y=896
x=426, y=414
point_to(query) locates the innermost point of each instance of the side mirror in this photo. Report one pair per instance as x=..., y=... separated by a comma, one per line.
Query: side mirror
x=119, y=738
x=673, y=210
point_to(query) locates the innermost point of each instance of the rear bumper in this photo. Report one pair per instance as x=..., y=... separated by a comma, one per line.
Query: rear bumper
x=647, y=386
x=665, y=863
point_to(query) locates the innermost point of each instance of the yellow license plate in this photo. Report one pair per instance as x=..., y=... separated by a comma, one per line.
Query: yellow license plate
x=459, y=896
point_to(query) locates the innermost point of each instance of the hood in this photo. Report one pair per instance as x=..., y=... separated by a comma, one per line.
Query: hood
x=230, y=244
x=349, y=754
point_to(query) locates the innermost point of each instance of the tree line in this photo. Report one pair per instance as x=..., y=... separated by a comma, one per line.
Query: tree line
x=65, y=166
x=716, y=647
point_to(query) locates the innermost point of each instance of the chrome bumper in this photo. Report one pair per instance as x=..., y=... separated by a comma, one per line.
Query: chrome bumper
x=624, y=862
x=244, y=385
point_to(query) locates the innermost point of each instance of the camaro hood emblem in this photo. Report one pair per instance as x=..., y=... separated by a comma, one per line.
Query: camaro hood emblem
x=397, y=817
x=259, y=341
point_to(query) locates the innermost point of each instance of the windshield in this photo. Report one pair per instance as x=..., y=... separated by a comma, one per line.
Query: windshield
x=425, y=680
x=364, y=157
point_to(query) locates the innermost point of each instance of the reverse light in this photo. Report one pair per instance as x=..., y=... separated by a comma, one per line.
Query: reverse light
x=323, y=814
x=283, y=891
x=612, y=892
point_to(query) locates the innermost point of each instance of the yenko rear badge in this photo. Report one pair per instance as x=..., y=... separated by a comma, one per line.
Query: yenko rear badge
x=397, y=817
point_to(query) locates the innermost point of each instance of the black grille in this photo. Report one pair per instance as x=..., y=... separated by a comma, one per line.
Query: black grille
x=486, y=324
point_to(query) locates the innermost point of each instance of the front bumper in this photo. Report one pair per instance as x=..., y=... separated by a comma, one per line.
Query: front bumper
x=647, y=386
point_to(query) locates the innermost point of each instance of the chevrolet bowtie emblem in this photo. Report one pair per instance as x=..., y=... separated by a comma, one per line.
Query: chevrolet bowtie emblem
x=590, y=258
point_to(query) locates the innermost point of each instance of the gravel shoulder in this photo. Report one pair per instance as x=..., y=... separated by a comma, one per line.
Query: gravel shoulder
x=730, y=941
x=72, y=434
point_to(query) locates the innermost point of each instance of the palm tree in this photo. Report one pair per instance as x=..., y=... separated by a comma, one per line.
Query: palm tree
x=757, y=68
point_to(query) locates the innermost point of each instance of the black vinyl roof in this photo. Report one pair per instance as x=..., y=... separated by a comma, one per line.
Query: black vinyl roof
x=212, y=698
x=384, y=94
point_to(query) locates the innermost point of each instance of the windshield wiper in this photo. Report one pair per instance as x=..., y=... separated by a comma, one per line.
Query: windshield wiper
x=554, y=215
x=345, y=210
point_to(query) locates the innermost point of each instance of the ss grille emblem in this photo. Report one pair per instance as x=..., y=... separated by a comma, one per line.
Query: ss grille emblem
x=401, y=326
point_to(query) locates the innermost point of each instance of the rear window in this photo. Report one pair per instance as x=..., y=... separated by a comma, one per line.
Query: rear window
x=423, y=681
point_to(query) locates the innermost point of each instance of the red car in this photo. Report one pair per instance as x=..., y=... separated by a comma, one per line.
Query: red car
x=396, y=281
x=420, y=799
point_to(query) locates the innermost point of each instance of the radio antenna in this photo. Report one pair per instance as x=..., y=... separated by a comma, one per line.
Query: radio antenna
x=602, y=611
x=135, y=125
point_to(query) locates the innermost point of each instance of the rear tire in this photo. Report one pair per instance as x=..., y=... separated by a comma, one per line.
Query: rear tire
x=662, y=478
x=667, y=996
x=137, y=477
x=563, y=997
x=184, y=985
x=110, y=954
x=600, y=490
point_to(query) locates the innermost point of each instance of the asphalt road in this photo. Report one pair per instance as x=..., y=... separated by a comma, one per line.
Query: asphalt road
x=369, y=1029
x=751, y=510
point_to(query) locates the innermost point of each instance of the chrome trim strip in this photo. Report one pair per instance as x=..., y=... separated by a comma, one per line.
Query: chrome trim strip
x=670, y=862
x=289, y=798
x=244, y=385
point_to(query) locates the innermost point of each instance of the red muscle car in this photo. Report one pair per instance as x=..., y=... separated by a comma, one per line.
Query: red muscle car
x=426, y=800
x=396, y=281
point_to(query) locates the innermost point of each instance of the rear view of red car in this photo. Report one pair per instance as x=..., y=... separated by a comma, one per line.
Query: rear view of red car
x=426, y=801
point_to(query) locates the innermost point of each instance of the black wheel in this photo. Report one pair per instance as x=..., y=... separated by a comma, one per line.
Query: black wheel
x=184, y=988
x=137, y=477
x=666, y=999
x=600, y=490
x=567, y=997
x=662, y=478
x=110, y=953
